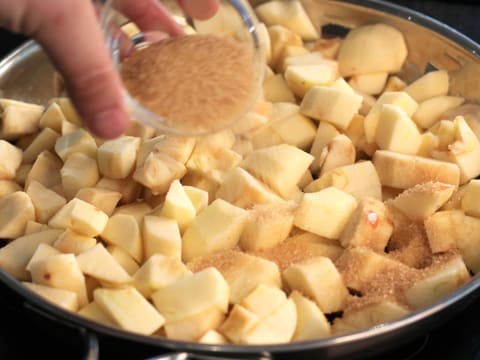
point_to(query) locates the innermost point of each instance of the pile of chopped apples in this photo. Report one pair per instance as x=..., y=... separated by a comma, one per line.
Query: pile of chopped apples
x=346, y=198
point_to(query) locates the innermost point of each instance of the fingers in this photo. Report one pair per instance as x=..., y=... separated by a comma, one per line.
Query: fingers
x=199, y=9
x=69, y=32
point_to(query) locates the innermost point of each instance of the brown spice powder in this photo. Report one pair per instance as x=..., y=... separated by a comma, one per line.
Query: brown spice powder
x=198, y=83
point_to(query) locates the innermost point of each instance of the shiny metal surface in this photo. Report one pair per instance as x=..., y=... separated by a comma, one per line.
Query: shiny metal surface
x=27, y=75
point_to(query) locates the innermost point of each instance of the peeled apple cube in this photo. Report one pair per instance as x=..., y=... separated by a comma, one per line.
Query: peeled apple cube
x=78, y=171
x=81, y=217
x=311, y=321
x=328, y=104
x=301, y=78
x=78, y=141
x=432, y=84
x=280, y=167
x=396, y=131
x=178, y=206
x=318, y=278
x=431, y=110
x=372, y=48
x=471, y=198
x=290, y=14
x=16, y=210
x=64, y=298
x=204, y=290
x=123, y=230
x=129, y=309
x=161, y=235
x=11, y=159
x=117, y=158
x=217, y=227
x=325, y=212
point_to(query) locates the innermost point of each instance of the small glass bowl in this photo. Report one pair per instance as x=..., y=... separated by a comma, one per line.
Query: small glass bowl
x=234, y=18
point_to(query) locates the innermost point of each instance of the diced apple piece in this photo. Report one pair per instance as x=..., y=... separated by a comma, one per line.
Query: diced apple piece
x=243, y=190
x=158, y=271
x=161, y=235
x=290, y=14
x=15, y=256
x=403, y=171
x=287, y=52
x=371, y=314
x=393, y=128
x=441, y=232
x=19, y=119
x=104, y=199
x=280, y=167
x=463, y=151
x=71, y=242
x=129, y=309
x=318, y=278
x=263, y=300
x=52, y=118
x=78, y=171
x=93, y=312
x=126, y=261
x=243, y=272
x=471, y=198
x=138, y=210
x=400, y=99
x=193, y=327
x=423, y=200
x=33, y=226
x=213, y=337
x=325, y=212
x=43, y=251
x=361, y=266
x=311, y=322
x=267, y=226
x=117, y=158
x=158, y=171
x=432, y=84
x=81, y=217
x=193, y=294
x=178, y=206
x=8, y=187
x=128, y=188
x=301, y=78
x=62, y=272
x=372, y=48
x=340, y=152
x=239, y=321
x=198, y=197
x=66, y=299
x=443, y=281
x=371, y=84
x=359, y=180
x=45, y=170
x=78, y=141
x=11, y=160
x=431, y=110
x=45, y=140
x=217, y=227
x=68, y=110
x=370, y=226
x=276, y=89
x=293, y=128
x=123, y=230
x=325, y=133
x=16, y=209
x=98, y=263
x=328, y=104
x=280, y=37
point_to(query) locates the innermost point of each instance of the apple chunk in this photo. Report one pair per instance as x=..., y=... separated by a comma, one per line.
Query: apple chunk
x=217, y=227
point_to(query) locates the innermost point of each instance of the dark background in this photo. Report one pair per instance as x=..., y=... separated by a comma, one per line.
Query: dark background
x=20, y=338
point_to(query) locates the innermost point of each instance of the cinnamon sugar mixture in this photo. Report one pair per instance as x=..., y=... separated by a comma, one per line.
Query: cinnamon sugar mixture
x=197, y=82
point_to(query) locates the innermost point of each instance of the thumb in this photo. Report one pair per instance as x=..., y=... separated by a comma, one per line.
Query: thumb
x=69, y=32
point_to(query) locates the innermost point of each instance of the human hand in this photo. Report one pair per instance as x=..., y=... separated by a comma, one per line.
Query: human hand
x=69, y=32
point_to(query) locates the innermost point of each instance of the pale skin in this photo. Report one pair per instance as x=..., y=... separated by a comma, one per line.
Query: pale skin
x=69, y=32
